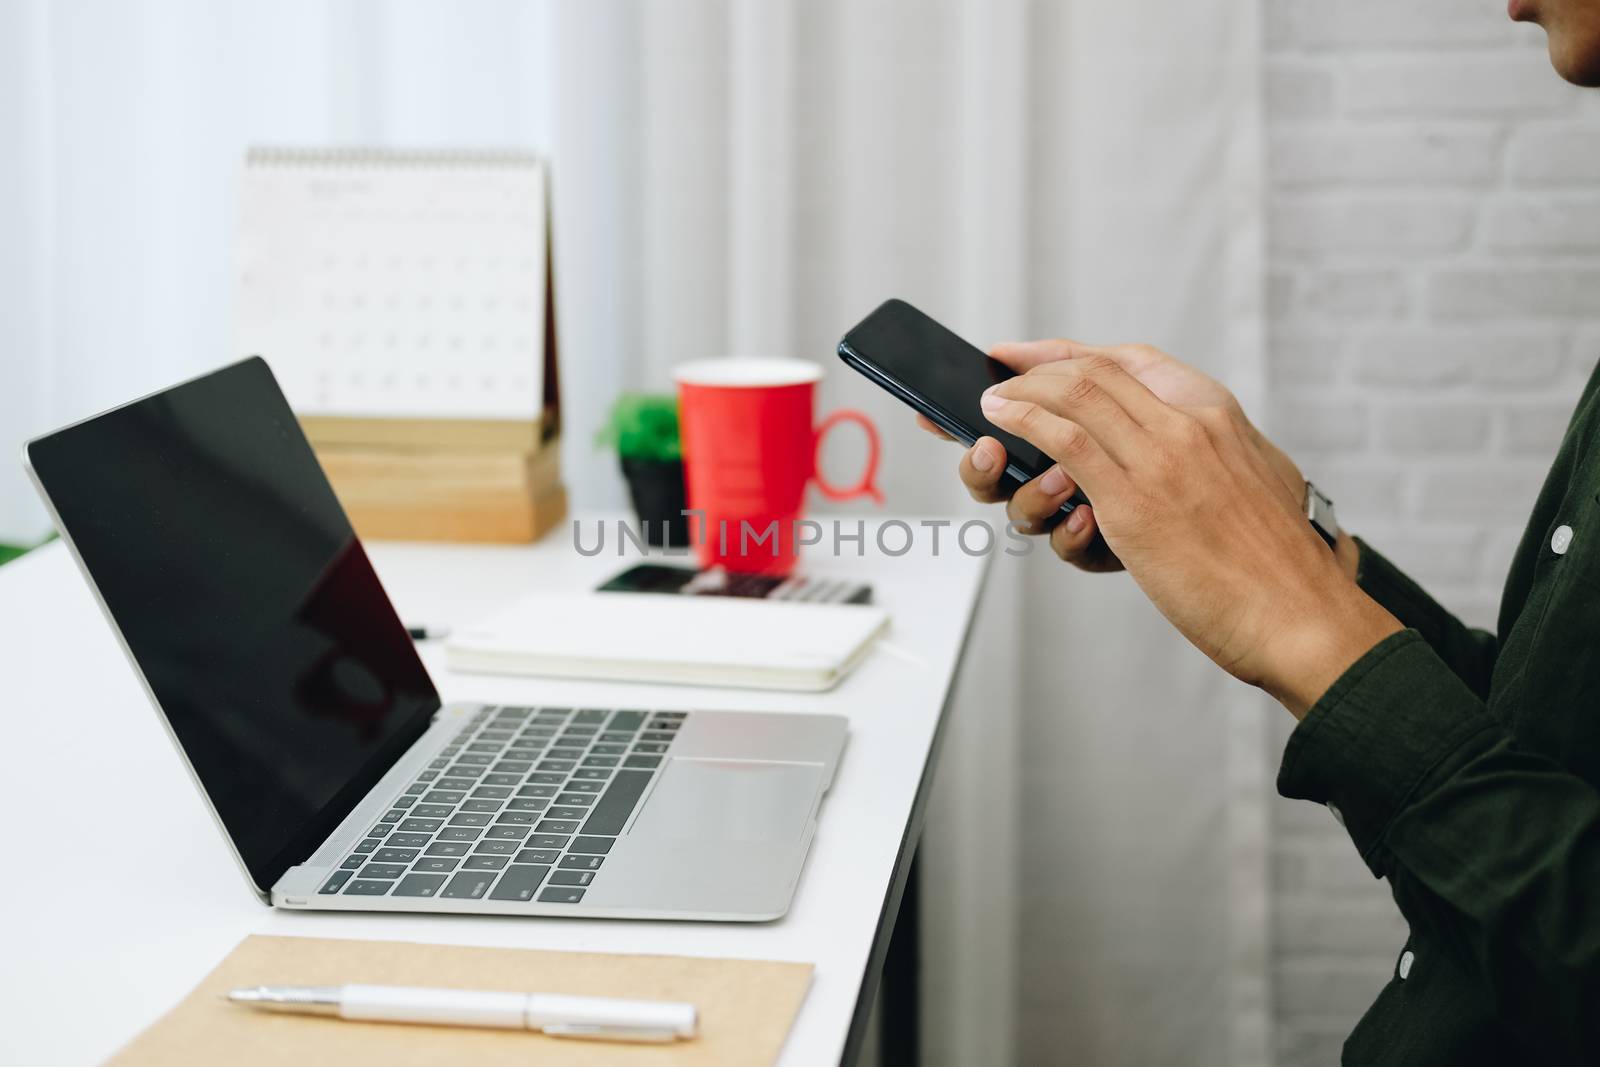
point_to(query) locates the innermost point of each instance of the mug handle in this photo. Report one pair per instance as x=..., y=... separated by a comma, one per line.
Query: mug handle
x=868, y=485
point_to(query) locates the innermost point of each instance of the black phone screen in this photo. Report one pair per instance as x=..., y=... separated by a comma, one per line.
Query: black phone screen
x=937, y=366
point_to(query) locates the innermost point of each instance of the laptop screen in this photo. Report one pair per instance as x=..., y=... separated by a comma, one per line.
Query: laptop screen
x=217, y=546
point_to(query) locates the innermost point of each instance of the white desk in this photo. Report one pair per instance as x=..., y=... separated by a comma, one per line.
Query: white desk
x=147, y=899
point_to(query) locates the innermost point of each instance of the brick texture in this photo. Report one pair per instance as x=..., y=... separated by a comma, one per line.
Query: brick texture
x=1434, y=303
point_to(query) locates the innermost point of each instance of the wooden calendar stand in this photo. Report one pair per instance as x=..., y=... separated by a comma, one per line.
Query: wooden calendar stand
x=398, y=298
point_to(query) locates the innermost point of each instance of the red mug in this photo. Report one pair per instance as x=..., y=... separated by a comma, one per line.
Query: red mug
x=750, y=447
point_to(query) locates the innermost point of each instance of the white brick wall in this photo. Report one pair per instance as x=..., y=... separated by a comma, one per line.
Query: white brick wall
x=1435, y=262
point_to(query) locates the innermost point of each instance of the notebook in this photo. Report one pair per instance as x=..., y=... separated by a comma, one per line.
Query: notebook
x=746, y=1007
x=383, y=284
x=645, y=637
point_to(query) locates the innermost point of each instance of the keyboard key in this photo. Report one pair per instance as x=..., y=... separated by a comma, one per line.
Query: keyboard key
x=363, y=888
x=466, y=771
x=474, y=758
x=611, y=814
x=488, y=847
x=546, y=778
x=478, y=747
x=369, y=844
x=444, y=796
x=460, y=833
x=591, y=716
x=394, y=855
x=662, y=726
x=491, y=792
x=678, y=716
x=537, y=791
x=591, y=774
x=383, y=870
x=421, y=826
x=457, y=785
x=556, y=765
x=525, y=745
x=432, y=811
x=609, y=750
x=470, y=818
x=419, y=885
x=449, y=848
x=353, y=862
x=581, y=800
x=658, y=737
x=481, y=805
x=557, y=826
x=404, y=801
x=407, y=840
x=642, y=761
x=561, y=895
x=393, y=815
x=438, y=765
x=554, y=713
x=627, y=720
x=506, y=833
x=566, y=752
x=485, y=863
x=600, y=845
x=612, y=737
x=435, y=864
x=547, y=841
x=469, y=885
x=427, y=776
x=502, y=778
x=333, y=884
x=379, y=830
x=519, y=882
x=416, y=788
x=600, y=761
x=585, y=787
x=525, y=818
x=527, y=804
x=650, y=748
x=511, y=766
x=572, y=878
x=555, y=813
x=538, y=855
x=582, y=863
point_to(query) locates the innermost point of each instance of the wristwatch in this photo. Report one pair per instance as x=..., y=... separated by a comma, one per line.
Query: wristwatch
x=1319, y=510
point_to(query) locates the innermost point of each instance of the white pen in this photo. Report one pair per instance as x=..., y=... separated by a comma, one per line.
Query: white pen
x=602, y=1018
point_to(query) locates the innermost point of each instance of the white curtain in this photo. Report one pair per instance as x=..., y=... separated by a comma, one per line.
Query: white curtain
x=734, y=176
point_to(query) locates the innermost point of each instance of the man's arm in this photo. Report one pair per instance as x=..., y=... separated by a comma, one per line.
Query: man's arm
x=1493, y=852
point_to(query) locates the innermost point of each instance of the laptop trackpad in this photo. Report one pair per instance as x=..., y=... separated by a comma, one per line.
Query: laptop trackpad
x=730, y=800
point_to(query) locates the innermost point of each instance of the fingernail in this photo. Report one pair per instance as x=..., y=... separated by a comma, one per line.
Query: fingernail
x=991, y=402
x=981, y=459
x=1076, y=520
x=1054, y=482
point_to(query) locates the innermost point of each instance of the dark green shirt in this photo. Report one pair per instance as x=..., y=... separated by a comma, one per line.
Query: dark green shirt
x=1466, y=768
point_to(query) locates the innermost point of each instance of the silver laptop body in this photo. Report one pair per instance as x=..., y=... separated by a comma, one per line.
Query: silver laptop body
x=253, y=620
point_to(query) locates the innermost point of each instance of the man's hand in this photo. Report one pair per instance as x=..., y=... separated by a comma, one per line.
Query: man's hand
x=1078, y=540
x=1202, y=519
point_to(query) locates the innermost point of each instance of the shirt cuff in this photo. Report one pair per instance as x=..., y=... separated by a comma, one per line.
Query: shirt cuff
x=1366, y=747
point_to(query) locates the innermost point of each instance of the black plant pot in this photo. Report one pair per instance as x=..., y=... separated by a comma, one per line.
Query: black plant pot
x=656, y=486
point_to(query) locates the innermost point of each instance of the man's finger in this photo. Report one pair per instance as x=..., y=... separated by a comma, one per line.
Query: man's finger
x=1078, y=399
x=981, y=467
x=1075, y=541
x=924, y=423
x=1023, y=356
x=1065, y=441
x=1032, y=505
x=1109, y=375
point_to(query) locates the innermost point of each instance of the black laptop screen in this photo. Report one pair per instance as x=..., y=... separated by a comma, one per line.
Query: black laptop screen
x=219, y=550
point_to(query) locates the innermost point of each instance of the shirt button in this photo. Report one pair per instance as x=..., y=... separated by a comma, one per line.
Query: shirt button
x=1406, y=960
x=1560, y=540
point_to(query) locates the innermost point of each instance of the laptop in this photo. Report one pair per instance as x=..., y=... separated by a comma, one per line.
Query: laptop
x=263, y=638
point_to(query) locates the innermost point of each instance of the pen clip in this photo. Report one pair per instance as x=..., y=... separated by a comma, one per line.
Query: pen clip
x=610, y=1032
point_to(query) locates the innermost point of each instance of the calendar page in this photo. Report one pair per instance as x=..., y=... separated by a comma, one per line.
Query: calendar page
x=395, y=285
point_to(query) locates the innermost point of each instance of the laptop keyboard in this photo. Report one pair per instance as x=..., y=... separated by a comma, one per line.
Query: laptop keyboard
x=523, y=804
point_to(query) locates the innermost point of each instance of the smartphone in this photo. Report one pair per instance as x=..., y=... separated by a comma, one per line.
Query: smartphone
x=665, y=578
x=941, y=376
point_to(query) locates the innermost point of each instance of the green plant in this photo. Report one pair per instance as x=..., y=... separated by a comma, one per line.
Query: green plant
x=643, y=426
